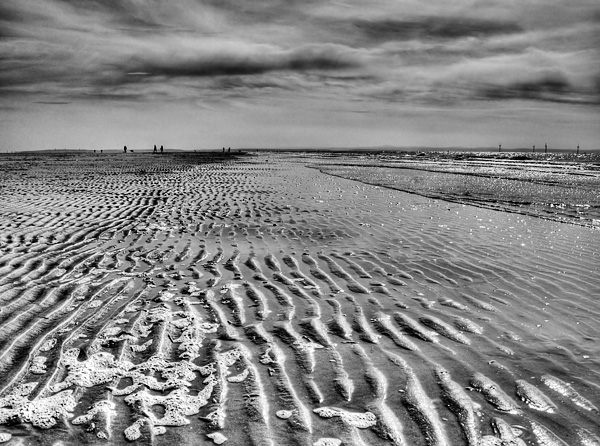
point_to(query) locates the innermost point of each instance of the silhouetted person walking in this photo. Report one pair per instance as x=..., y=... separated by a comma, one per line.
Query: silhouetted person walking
x=161, y=149
x=154, y=151
x=124, y=149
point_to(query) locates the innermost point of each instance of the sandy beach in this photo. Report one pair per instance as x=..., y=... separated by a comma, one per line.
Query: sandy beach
x=298, y=299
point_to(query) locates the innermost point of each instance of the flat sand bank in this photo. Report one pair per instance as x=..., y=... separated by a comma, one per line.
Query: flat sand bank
x=558, y=186
x=181, y=299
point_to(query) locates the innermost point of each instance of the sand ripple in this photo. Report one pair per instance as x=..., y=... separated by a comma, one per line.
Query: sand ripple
x=189, y=299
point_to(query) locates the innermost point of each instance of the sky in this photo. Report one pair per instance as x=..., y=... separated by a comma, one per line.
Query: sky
x=203, y=74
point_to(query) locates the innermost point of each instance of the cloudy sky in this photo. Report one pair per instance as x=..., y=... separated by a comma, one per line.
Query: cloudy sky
x=202, y=74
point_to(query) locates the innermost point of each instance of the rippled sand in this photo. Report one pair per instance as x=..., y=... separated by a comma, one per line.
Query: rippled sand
x=183, y=299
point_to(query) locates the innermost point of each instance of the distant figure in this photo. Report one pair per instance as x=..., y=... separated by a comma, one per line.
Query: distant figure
x=223, y=149
x=101, y=150
x=154, y=151
x=499, y=147
x=161, y=149
x=545, y=148
x=229, y=150
x=533, y=149
x=577, y=149
x=124, y=149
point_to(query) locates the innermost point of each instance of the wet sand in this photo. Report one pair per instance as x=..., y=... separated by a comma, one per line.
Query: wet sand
x=556, y=186
x=186, y=299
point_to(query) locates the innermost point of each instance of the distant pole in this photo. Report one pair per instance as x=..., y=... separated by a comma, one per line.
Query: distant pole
x=545, y=148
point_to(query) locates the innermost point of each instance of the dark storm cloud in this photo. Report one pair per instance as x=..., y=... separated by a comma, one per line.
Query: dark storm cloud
x=552, y=88
x=434, y=28
x=249, y=62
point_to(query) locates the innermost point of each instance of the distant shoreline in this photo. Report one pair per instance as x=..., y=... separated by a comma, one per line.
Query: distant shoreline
x=386, y=149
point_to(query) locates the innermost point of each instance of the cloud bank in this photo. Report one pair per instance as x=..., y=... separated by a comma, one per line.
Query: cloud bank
x=360, y=55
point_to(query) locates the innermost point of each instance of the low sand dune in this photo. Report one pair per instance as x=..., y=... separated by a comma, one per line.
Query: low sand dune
x=190, y=299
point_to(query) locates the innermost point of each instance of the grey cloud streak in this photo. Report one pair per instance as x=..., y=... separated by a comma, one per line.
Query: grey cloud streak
x=550, y=88
x=424, y=28
x=248, y=61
